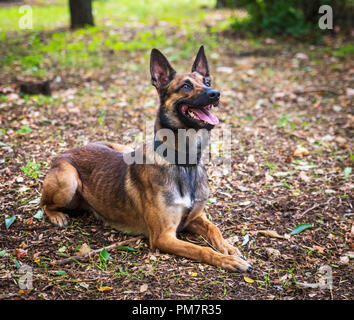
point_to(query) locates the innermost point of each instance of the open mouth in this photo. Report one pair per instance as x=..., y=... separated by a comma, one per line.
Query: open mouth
x=201, y=115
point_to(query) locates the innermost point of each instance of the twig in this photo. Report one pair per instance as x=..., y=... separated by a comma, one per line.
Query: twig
x=81, y=257
x=317, y=90
x=313, y=207
x=316, y=206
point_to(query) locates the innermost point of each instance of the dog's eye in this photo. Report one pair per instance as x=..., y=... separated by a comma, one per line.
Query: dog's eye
x=187, y=86
x=207, y=82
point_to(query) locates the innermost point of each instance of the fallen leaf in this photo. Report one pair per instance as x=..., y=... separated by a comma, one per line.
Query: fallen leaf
x=250, y=159
x=248, y=280
x=245, y=203
x=104, y=288
x=84, y=249
x=38, y=215
x=23, y=245
x=300, y=152
x=126, y=248
x=319, y=249
x=143, y=287
x=62, y=249
x=272, y=253
x=84, y=285
x=301, y=227
x=224, y=69
x=306, y=167
x=271, y=233
x=344, y=260
x=246, y=238
x=9, y=221
x=349, y=92
x=268, y=178
x=20, y=252
x=347, y=172
x=104, y=255
x=330, y=191
x=243, y=189
x=194, y=274
x=304, y=177
x=341, y=141
x=301, y=56
x=233, y=239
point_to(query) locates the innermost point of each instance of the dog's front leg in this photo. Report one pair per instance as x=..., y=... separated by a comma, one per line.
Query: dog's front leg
x=167, y=241
x=202, y=226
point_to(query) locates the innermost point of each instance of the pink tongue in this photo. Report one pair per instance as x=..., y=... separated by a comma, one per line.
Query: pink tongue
x=205, y=115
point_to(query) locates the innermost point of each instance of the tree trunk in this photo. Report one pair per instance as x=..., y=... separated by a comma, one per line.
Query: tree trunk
x=81, y=13
x=226, y=3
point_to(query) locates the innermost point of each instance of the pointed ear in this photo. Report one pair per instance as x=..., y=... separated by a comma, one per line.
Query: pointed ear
x=161, y=71
x=201, y=63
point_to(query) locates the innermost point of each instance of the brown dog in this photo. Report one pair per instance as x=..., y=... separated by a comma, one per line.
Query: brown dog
x=163, y=194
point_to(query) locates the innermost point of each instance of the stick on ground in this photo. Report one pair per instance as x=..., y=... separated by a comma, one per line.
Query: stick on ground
x=81, y=257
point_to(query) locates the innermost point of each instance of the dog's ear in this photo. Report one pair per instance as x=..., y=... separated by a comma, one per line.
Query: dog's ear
x=161, y=71
x=201, y=63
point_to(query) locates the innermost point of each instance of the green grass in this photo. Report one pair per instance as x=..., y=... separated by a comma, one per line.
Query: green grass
x=31, y=169
x=109, y=13
x=344, y=51
x=118, y=27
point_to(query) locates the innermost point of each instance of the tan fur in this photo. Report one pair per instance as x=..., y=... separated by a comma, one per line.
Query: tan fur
x=138, y=198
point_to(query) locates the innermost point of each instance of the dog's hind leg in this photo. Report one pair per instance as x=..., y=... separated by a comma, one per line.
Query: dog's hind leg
x=116, y=146
x=59, y=192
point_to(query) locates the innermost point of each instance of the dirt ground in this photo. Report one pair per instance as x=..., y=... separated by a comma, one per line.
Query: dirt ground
x=290, y=108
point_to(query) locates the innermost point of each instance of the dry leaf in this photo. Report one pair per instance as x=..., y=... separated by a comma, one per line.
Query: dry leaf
x=344, y=260
x=349, y=92
x=271, y=233
x=29, y=221
x=104, y=288
x=319, y=249
x=304, y=177
x=250, y=159
x=248, y=280
x=272, y=253
x=84, y=249
x=268, y=178
x=300, y=152
x=143, y=287
x=18, y=252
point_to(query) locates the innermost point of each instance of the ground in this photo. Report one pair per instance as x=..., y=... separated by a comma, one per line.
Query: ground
x=287, y=102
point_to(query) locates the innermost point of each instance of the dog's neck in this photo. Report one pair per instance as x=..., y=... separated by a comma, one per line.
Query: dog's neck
x=183, y=147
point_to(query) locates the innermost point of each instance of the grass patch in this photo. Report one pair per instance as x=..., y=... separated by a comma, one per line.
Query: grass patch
x=45, y=48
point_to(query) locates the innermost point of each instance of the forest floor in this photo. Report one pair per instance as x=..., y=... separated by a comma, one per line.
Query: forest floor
x=288, y=103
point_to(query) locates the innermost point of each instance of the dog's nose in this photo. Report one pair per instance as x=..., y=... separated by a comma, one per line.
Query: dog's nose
x=213, y=94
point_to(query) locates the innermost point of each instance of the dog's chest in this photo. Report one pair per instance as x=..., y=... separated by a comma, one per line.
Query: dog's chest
x=188, y=187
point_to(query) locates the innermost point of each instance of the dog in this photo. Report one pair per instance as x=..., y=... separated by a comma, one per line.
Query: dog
x=161, y=196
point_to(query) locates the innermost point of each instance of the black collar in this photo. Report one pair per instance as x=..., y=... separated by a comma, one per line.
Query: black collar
x=178, y=158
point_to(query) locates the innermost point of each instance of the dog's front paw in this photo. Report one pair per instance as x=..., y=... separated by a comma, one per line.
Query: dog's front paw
x=59, y=219
x=227, y=248
x=234, y=263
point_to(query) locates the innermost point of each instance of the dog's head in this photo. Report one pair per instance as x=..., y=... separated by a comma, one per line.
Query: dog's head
x=186, y=100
